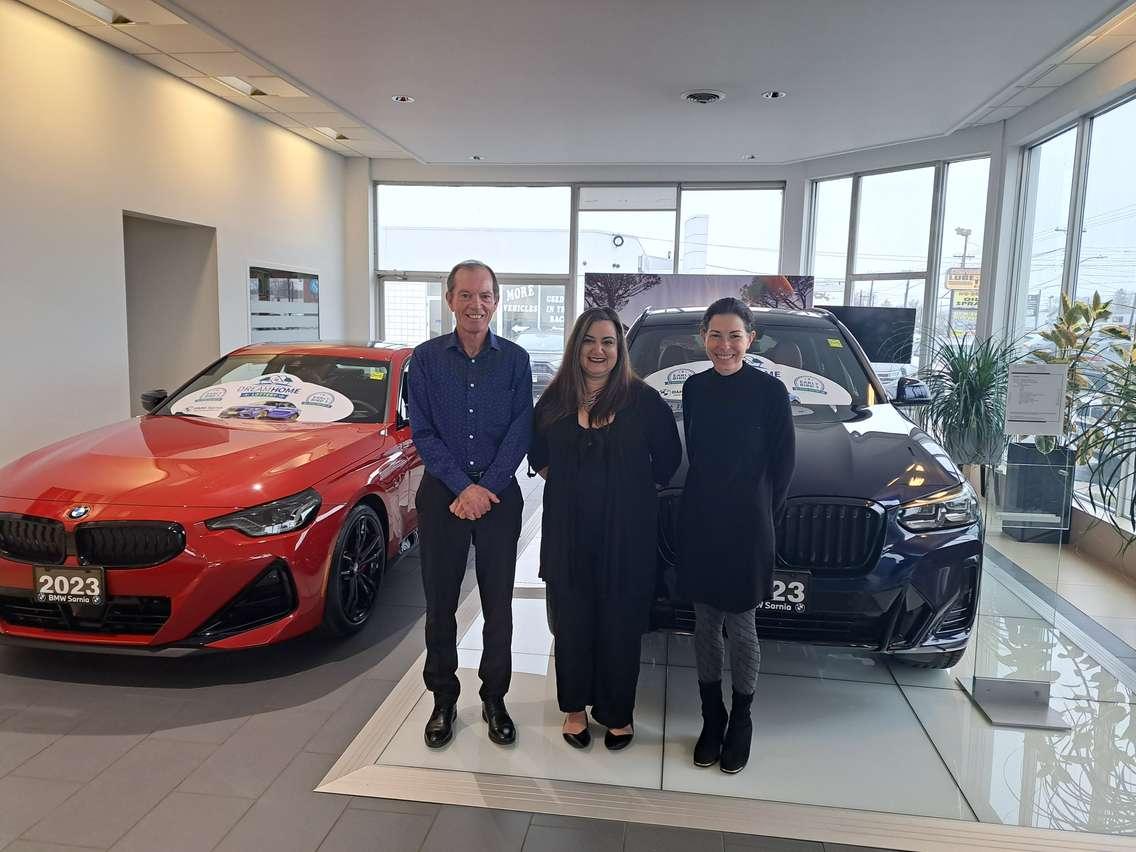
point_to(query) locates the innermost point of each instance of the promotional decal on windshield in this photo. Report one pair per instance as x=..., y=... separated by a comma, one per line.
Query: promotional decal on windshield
x=278, y=398
x=804, y=388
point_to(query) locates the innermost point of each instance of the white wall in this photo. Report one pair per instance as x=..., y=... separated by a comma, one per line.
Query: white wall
x=171, y=302
x=87, y=132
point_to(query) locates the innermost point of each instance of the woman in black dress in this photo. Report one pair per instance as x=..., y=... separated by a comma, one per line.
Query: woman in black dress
x=603, y=440
x=740, y=447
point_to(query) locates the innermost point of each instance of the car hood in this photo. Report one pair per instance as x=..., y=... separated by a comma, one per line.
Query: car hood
x=874, y=453
x=192, y=462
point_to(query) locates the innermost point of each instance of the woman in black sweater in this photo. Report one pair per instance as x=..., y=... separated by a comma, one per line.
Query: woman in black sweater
x=603, y=440
x=740, y=447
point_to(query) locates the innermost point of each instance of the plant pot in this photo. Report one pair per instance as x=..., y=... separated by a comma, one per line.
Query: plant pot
x=1038, y=483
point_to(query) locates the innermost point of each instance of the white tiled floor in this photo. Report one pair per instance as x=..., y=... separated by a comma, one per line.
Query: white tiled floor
x=832, y=727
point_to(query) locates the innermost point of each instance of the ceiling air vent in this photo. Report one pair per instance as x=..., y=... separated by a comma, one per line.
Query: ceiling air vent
x=703, y=96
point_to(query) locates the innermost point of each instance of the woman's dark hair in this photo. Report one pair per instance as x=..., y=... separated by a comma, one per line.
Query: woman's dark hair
x=567, y=391
x=728, y=305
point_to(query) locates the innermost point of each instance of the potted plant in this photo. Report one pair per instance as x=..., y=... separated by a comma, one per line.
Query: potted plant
x=1041, y=469
x=967, y=379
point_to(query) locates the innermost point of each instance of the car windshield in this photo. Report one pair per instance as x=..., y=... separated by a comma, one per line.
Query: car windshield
x=824, y=377
x=288, y=387
x=541, y=341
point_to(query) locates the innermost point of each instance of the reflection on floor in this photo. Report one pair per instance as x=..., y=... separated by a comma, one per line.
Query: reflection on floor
x=832, y=728
x=1099, y=591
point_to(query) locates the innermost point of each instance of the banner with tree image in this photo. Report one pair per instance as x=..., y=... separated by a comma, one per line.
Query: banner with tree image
x=629, y=294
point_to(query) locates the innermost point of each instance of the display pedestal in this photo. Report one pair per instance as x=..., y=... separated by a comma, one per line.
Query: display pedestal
x=1015, y=703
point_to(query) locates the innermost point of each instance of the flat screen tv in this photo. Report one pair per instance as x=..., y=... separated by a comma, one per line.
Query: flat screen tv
x=886, y=334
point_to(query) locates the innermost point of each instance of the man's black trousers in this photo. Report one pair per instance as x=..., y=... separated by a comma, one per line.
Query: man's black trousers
x=444, y=541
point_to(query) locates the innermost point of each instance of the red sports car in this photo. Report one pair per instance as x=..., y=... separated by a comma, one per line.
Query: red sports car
x=189, y=528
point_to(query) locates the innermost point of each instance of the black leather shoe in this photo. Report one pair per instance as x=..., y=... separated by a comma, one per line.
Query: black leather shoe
x=440, y=728
x=581, y=739
x=615, y=742
x=501, y=728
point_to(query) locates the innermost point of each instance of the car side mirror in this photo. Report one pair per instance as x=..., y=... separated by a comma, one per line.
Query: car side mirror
x=909, y=391
x=151, y=399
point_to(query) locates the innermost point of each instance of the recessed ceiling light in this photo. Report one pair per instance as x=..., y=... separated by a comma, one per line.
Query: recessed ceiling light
x=331, y=133
x=749, y=156
x=773, y=95
x=402, y=99
x=239, y=85
x=476, y=157
x=98, y=10
x=703, y=96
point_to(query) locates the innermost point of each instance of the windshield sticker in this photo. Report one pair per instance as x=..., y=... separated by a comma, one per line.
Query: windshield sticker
x=277, y=398
x=835, y=343
x=804, y=388
x=377, y=373
x=800, y=411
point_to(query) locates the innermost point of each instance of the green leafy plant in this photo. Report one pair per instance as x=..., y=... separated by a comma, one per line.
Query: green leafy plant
x=1100, y=405
x=1080, y=337
x=967, y=380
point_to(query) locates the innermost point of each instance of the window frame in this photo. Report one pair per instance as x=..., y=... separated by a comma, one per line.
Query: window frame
x=572, y=298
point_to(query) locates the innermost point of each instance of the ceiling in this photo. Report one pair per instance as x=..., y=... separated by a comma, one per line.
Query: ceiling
x=600, y=82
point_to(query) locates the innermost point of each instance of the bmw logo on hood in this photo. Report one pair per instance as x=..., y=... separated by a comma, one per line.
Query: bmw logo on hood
x=77, y=512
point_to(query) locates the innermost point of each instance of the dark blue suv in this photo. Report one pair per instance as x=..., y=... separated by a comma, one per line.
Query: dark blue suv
x=880, y=545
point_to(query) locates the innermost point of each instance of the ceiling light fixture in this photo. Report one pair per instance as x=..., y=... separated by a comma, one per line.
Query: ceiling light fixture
x=773, y=95
x=331, y=133
x=703, y=96
x=98, y=10
x=749, y=156
x=477, y=157
x=239, y=85
x=402, y=99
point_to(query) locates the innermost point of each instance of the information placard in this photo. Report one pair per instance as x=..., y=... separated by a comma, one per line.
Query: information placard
x=1035, y=399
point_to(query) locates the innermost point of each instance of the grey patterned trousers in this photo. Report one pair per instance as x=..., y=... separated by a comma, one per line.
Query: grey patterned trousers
x=709, y=649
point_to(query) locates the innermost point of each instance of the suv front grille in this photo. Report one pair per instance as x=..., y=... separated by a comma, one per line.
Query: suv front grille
x=829, y=536
x=28, y=539
x=822, y=628
x=128, y=544
x=129, y=615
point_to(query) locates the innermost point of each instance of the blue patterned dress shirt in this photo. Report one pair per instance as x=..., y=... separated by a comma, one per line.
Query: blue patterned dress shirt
x=471, y=415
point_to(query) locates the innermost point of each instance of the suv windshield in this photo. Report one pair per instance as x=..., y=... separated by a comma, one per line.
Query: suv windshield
x=823, y=375
x=289, y=387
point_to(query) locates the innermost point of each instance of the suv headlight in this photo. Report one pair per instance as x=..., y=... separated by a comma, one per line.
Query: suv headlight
x=279, y=516
x=943, y=511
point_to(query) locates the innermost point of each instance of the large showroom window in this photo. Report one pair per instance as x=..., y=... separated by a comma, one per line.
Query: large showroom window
x=907, y=238
x=832, y=200
x=1077, y=238
x=706, y=229
x=959, y=282
x=521, y=231
x=1044, y=226
x=730, y=231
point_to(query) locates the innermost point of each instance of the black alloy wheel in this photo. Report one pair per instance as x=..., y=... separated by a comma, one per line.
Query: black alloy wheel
x=357, y=568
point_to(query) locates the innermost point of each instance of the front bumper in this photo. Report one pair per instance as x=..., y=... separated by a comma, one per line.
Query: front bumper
x=167, y=607
x=920, y=596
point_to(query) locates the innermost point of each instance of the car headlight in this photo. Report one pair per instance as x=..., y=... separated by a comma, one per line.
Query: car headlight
x=943, y=511
x=279, y=516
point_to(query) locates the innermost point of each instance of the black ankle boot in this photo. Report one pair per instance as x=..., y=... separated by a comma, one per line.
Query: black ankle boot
x=735, y=747
x=709, y=744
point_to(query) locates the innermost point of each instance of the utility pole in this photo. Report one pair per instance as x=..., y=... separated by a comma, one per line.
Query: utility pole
x=965, y=234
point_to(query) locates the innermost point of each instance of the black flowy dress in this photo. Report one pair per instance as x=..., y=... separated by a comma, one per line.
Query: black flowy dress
x=598, y=546
x=741, y=448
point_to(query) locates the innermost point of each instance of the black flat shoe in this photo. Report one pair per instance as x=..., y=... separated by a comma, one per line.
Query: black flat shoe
x=501, y=728
x=440, y=728
x=583, y=739
x=617, y=742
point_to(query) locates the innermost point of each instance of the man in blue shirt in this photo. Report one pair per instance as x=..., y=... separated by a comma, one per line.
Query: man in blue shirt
x=471, y=420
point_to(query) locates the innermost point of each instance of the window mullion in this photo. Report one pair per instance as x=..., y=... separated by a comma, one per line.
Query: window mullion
x=1076, y=209
x=853, y=226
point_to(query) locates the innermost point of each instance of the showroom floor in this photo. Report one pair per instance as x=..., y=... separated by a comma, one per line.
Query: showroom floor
x=223, y=752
